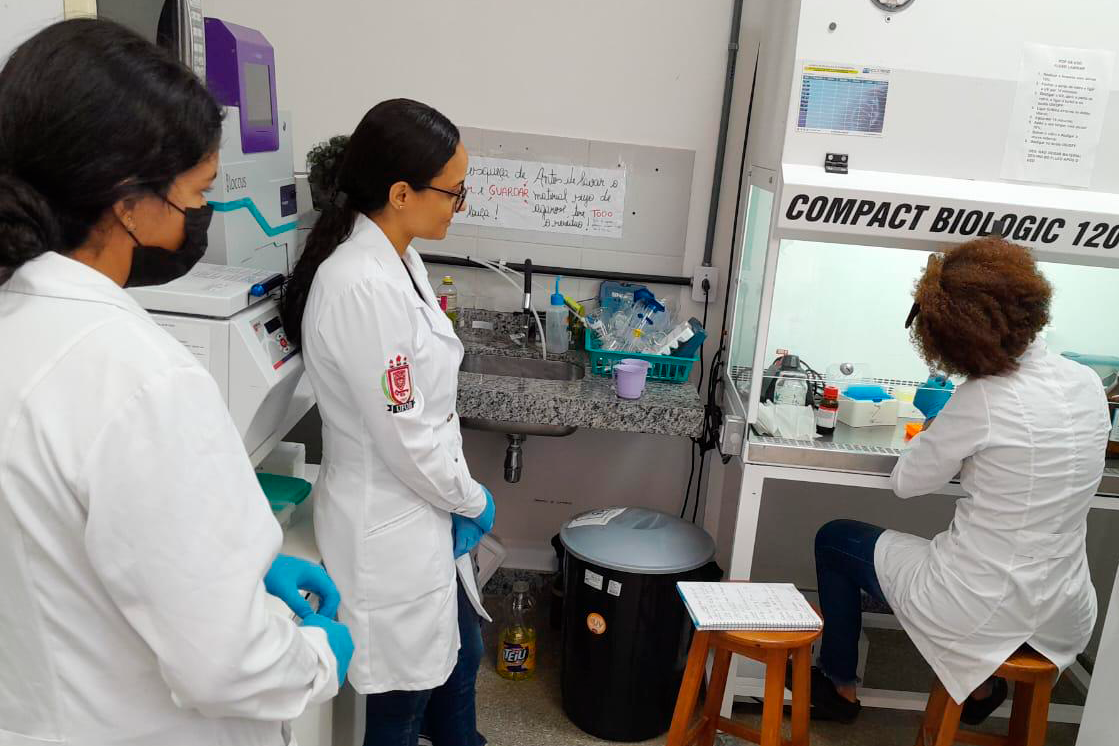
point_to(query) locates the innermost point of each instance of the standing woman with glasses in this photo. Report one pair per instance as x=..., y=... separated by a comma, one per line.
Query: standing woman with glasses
x=396, y=510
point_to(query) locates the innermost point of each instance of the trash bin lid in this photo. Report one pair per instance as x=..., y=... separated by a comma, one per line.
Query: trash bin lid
x=637, y=540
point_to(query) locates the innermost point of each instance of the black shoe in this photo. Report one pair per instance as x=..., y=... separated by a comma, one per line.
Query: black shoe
x=828, y=703
x=975, y=711
x=426, y=741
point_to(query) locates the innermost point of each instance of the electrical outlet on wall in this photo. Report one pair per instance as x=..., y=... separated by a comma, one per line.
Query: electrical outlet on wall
x=701, y=273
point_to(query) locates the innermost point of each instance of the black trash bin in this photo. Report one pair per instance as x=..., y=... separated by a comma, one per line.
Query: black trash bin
x=625, y=630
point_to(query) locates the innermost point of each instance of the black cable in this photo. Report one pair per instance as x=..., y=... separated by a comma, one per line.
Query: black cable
x=816, y=383
x=741, y=184
x=699, y=485
x=706, y=304
x=699, y=387
x=712, y=422
x=688, y=489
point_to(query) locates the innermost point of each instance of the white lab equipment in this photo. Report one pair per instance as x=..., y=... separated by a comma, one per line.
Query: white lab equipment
x=253, y=197
x=818, y=246
x=176, y=25
x=237, y=335
x=868, y=411
x=239, y=338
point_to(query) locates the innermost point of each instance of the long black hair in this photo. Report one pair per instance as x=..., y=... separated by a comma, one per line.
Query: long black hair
x=396, y=140
x=91, y=113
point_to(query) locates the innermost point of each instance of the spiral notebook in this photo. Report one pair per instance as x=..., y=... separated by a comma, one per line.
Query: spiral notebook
x=753, y=607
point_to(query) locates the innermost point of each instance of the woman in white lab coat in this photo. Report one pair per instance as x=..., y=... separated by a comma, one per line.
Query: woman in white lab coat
x=396, y=509
x=1026, y=434
x=134, y=537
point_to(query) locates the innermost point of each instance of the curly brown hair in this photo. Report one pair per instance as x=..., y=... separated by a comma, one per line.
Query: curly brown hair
x=980, y=304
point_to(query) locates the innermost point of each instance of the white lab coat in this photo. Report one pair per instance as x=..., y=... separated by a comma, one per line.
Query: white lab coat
x=133, y=536
x=1029, y=449
x=384, y=366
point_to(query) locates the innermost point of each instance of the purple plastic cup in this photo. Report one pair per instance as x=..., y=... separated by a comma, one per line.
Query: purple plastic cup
x=634, y=361
x=629, y=379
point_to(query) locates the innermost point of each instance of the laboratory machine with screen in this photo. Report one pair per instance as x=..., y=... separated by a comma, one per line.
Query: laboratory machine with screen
x=255, y=212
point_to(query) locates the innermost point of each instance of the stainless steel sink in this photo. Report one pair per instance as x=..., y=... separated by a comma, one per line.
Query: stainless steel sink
x=547, y=370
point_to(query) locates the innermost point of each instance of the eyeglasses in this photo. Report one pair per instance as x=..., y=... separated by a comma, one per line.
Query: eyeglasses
x=460, y=195
x=913, y=311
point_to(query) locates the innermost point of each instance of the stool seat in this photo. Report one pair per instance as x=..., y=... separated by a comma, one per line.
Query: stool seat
x=1026, y=664
x=1033, y=675
x=772, y=648
x=768, y=640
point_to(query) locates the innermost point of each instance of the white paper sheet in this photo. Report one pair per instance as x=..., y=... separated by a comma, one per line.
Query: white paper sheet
x=465, y=566
x=1058, y=115
x=596, y=517
x=748, y=606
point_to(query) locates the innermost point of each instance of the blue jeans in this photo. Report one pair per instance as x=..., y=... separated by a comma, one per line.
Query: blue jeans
x=844, y=567
x=444, y=714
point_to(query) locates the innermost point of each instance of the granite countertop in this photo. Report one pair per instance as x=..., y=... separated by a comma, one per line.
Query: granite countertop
x=663, y=409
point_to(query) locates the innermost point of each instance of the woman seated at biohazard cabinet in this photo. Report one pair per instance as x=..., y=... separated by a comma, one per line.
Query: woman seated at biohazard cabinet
x=1026, y=434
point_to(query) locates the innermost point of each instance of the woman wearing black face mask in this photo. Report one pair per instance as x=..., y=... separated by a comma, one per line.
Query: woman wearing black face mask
x=155, y=265
x=135, y=544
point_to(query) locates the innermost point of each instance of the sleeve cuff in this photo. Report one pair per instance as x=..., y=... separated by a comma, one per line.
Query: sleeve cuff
x=475, y=503
x=325, y=685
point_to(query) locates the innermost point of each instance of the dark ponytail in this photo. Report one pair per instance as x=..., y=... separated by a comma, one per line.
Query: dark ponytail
x=396, y=140
x=27, y=225
x=91, y=113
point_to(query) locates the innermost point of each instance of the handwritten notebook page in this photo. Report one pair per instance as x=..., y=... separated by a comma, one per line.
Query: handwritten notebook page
x=778, y=607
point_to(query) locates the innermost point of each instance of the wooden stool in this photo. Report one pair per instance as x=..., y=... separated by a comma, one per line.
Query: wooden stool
x=1033, y=676
x=771, y=648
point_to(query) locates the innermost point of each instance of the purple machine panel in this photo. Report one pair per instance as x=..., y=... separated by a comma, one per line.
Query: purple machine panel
x=241, y=72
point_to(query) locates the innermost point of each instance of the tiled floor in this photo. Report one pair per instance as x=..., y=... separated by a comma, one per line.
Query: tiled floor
x=530, y=713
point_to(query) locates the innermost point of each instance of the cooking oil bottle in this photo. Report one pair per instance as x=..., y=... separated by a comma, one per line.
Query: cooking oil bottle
x=447, y=295
x=516, y=650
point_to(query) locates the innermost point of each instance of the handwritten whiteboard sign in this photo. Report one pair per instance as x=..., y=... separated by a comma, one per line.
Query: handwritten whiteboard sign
x=530, y=195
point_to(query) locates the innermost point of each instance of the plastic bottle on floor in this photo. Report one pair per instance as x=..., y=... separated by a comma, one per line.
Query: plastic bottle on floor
x=516, y=650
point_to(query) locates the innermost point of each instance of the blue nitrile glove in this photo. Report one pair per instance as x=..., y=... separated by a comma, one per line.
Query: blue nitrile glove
x=485, y=520
x=466, y=534
x=932, y=397
x=290, y=575
x=338, y=636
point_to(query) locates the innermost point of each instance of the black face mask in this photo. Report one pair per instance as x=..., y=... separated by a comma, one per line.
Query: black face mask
x=155, y=265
